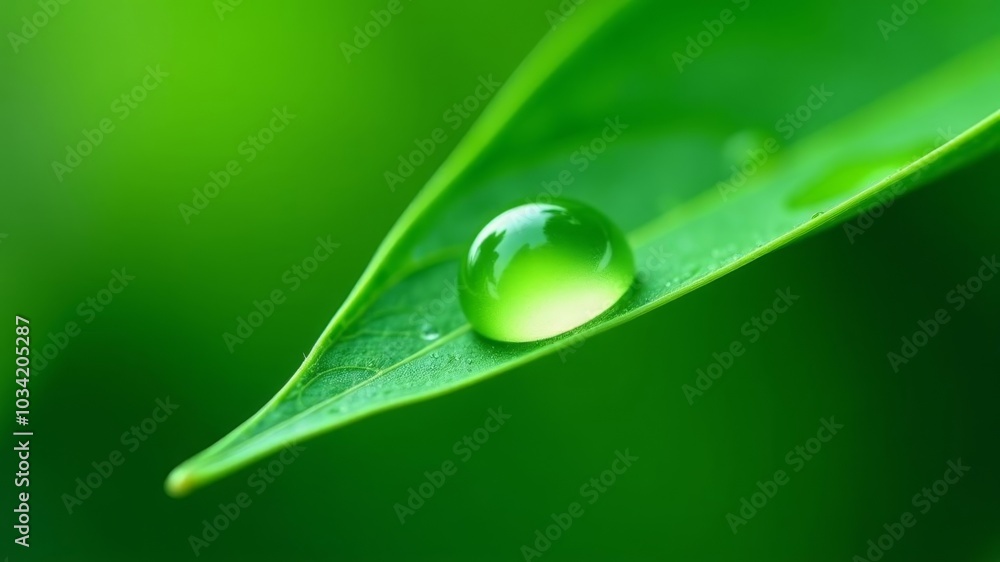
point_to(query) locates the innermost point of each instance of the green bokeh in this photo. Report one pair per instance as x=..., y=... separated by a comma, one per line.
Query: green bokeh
x=323, y=176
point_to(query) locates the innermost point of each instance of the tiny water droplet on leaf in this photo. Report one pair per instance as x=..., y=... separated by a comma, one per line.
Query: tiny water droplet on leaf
x=538, y=270
x=428, y=333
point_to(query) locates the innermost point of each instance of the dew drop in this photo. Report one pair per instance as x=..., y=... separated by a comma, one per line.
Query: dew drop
x=428, y=333
x=538, y=270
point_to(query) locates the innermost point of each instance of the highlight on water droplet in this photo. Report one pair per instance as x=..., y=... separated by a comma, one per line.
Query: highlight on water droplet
x=541, y=269
x=429, y=333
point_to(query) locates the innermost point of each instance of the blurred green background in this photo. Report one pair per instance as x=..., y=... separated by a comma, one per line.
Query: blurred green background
x=323, y=175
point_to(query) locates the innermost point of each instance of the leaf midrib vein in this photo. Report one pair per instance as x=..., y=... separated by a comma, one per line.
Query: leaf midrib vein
x=453, y=334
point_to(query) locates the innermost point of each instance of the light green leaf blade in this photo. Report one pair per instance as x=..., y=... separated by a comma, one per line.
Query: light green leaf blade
x=401, y=337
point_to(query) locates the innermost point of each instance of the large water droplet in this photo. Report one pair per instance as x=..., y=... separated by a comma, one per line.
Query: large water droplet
x=538, y=270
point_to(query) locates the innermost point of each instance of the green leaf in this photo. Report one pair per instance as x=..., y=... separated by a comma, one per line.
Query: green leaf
x=400, y=337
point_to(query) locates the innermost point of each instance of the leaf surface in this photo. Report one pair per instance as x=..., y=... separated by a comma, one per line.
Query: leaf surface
x=693, y=178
